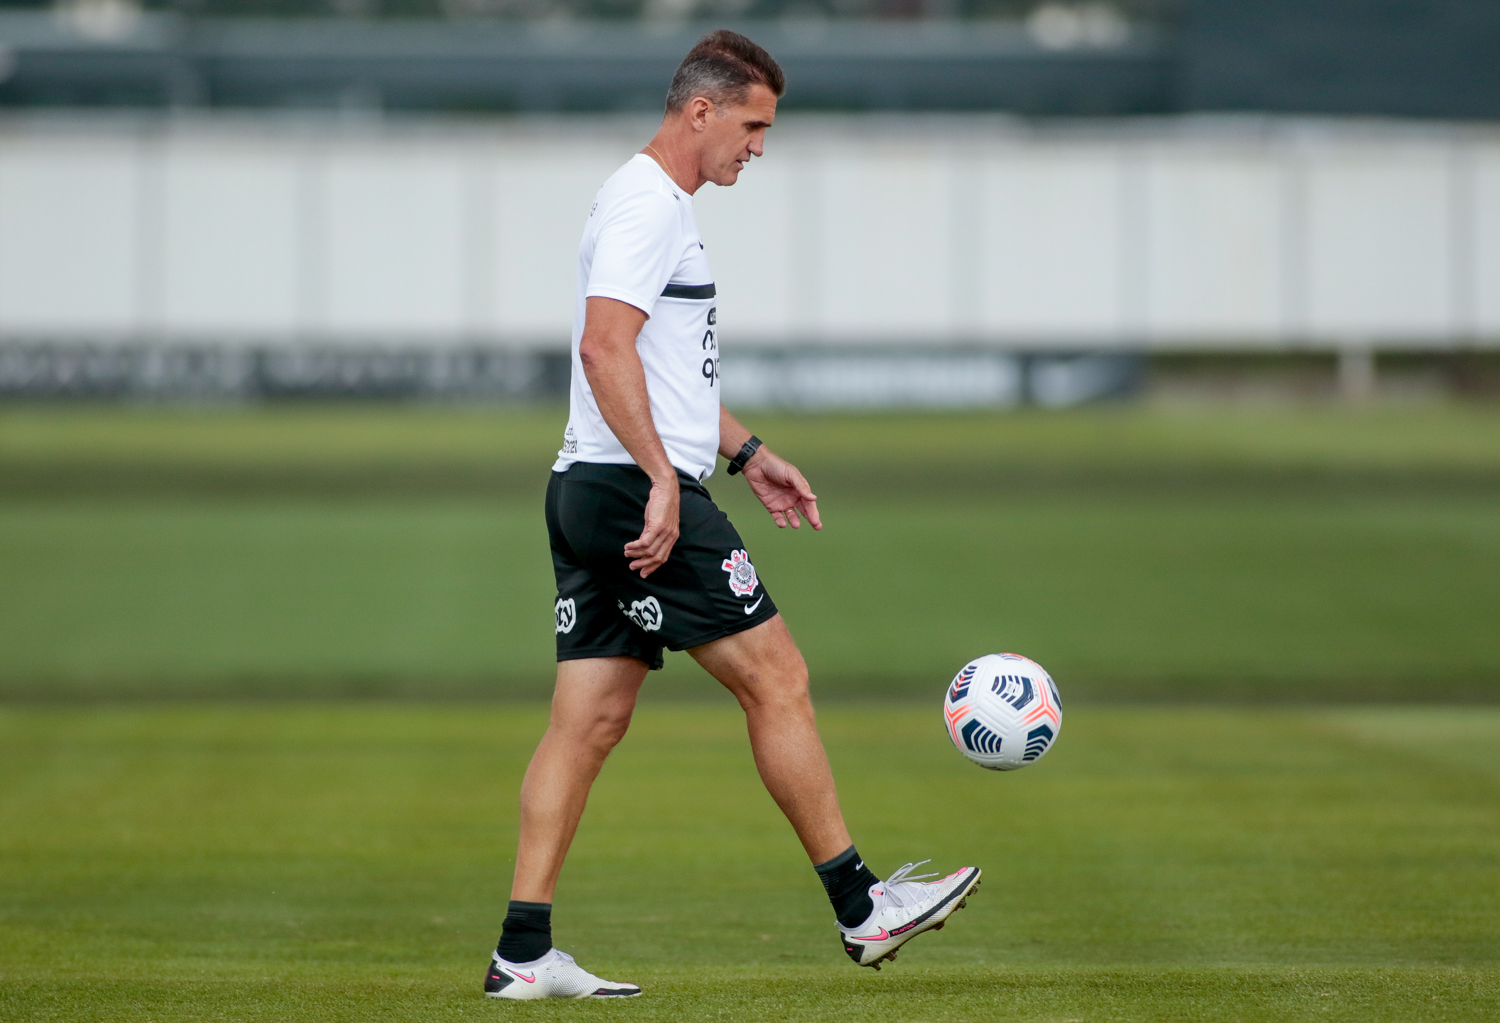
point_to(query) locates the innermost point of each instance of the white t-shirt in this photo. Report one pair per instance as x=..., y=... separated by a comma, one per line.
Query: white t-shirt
x=641, y=246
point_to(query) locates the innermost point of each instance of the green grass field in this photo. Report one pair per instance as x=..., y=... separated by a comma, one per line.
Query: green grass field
x=1287, y=555
x=1276, y=795
x=347, y=861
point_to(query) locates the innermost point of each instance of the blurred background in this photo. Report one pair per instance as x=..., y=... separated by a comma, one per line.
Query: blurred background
x=1157, y=339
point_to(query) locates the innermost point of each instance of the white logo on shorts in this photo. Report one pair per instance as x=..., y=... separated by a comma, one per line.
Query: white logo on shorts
x=646, y=614
x=567, y=614
x=742, y=581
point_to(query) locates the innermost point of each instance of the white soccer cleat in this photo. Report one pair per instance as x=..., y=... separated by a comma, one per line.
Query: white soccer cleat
x=554, y=975
x=904, y=908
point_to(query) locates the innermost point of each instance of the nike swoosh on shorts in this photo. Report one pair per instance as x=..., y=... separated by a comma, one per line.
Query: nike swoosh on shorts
x=751, y=609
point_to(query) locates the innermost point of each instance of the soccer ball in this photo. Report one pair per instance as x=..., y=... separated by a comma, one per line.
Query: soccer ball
x=1003, y=711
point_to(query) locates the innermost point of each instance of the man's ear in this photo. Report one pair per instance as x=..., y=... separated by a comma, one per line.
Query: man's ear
x=700, y=109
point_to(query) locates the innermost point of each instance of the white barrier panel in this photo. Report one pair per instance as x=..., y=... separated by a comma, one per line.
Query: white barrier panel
x=867, y=231
x=71, y=236
x=1047, y=239
x=1214, y=247
x=229, y=237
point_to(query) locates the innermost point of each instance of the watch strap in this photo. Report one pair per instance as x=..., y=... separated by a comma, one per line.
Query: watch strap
x=737, y=463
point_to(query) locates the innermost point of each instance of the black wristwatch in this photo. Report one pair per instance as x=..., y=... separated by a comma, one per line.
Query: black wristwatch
x=737, y=463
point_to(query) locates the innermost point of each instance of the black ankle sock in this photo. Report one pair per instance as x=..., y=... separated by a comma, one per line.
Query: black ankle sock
x=527, y=933
x=847, y=881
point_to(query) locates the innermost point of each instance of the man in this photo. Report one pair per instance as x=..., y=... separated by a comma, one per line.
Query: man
x=643, y=557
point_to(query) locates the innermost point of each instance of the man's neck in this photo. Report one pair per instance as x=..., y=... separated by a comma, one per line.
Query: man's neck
x=677, y=165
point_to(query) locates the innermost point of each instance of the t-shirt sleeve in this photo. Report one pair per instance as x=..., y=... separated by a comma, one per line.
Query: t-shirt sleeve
x=636, y=249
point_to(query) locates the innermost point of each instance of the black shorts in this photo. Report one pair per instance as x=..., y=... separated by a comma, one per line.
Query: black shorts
x=707, y=590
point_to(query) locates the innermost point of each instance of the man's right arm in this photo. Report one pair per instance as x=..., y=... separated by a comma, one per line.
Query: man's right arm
x=618, y=380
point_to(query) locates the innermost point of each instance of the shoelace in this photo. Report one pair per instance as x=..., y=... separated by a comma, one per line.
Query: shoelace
x=901, y=876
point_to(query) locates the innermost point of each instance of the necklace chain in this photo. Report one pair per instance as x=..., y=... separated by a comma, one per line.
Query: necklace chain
x=659, y=158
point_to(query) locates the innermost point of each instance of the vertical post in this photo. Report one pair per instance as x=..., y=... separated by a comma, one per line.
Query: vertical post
x=312, y=228
x=471, y=370
x=1135, y=245
x=808, y=248
x=1294, y=284
x=1357, y=379
x=151, y=235
x=480, y=239
x=966, y=198
x=1463, y=241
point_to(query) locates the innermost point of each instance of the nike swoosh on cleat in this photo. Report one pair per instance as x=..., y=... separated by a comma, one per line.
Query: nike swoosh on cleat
x=871, y=937
x=521, y=976
x=751, y=609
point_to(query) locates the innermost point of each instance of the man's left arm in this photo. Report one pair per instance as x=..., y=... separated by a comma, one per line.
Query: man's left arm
x=778, y=484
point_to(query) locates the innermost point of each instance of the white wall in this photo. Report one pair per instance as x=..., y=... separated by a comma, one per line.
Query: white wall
x=853, y=230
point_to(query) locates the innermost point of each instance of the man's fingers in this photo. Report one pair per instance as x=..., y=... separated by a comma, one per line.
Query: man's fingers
x=808, y=502
x=791, y=516
x=643, y=542
x=810, y=509
x=651, y=551
x=650, y=540
x=657, y=547
x=648, y=565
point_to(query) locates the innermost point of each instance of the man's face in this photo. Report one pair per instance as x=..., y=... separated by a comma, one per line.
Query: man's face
x=734, y=134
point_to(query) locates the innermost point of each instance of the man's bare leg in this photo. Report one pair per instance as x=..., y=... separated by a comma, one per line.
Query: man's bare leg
x=764, y=669
x=591, y=710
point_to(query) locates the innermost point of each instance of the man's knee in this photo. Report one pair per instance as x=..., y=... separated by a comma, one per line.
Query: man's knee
x=606, y=730
x=598, y=730
x=761, y=666
x=780, y=683
x=593, y=702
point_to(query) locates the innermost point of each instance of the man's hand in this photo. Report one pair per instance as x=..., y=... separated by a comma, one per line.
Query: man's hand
x=654, y=547
x=614, y=371
x=782, y=489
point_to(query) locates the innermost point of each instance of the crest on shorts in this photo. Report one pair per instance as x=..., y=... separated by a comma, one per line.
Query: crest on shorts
x=566, y=611
x=742, y=581
x=646, y=614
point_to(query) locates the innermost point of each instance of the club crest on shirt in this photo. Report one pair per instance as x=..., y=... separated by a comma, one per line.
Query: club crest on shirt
x=742, y=580
x=646, y=614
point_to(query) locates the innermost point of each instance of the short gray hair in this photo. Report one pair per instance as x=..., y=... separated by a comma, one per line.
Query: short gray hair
x=722, y=68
